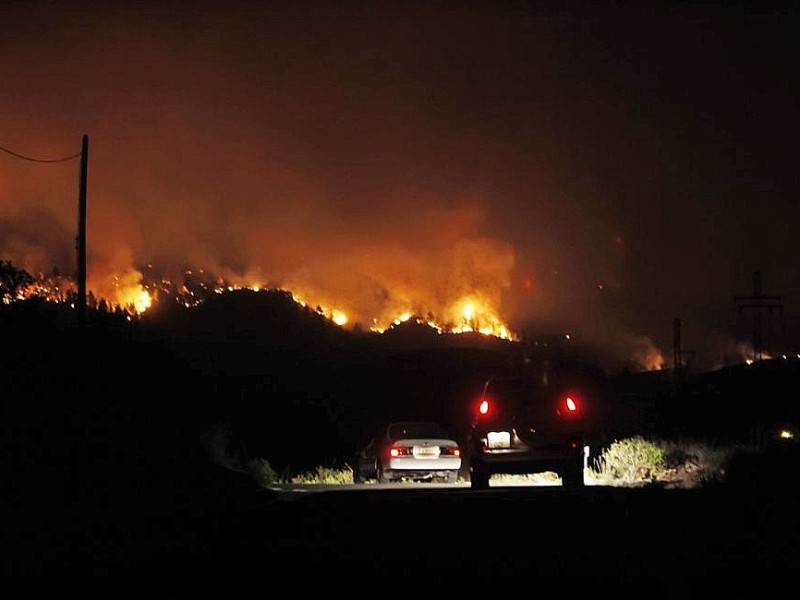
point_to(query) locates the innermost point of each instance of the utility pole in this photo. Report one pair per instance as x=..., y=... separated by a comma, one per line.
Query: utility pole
x=759, y=304
x=82, y=233
x=679, y=354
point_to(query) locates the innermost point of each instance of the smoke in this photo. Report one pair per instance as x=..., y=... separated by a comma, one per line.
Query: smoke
x=366, y=162
x=645, y=355
x=371, y=255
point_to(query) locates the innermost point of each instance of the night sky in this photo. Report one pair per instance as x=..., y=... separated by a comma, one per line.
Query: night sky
x=585, y=170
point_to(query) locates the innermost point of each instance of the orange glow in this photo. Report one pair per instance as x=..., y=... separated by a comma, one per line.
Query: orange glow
x=475, y=312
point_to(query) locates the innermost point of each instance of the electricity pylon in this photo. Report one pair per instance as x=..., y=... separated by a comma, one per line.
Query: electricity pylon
x=759, y=304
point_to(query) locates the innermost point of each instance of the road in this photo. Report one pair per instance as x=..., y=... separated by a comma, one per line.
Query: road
x=659, y=543
x=422, y=540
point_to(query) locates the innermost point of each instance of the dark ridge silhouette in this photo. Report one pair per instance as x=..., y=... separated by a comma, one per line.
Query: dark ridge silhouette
x=267, y=317
x=278, y=372
x=746, y=403
x=112, y=427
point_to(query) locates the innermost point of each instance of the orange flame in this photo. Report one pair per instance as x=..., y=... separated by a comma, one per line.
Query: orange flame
x=470, y=313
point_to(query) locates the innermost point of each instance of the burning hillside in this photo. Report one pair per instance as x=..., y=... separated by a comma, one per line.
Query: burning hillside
x=138, y=291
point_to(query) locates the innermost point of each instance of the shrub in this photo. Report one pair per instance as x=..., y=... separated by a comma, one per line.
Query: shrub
x=631, y=460
x=261, y=471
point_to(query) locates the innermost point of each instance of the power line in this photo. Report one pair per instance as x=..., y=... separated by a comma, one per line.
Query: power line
x=40, y=160
x=81, y=239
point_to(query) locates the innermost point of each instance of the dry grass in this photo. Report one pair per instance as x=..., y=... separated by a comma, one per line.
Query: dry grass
x=633, y=462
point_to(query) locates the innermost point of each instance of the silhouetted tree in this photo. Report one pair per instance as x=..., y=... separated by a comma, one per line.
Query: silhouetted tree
x=12, y=279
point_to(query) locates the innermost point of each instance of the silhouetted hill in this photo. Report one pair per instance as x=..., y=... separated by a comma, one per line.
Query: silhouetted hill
x=266, y=317
x=274, y=372
x=273, y=368
x=747, y=402
x=110, y=424
x=744, y=403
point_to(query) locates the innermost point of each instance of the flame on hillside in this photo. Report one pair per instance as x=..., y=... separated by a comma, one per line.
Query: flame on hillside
x=133, y=293
x=646, y=355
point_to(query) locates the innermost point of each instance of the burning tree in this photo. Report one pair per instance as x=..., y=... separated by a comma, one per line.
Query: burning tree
x=13, y=281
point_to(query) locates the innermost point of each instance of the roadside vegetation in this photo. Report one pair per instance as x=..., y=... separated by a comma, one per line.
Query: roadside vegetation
x=639, y=461
x=631, y=462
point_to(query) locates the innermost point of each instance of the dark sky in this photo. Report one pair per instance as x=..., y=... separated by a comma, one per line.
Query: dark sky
x=597, y=171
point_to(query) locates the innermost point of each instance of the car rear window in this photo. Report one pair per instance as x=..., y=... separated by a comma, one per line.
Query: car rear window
x=516, y=396
x=416, y=430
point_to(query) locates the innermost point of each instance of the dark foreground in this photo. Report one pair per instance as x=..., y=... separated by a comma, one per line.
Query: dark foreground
x=411, y=541
x=106, y=485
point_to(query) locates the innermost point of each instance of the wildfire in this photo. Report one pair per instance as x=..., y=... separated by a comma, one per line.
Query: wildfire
x=135, y=293
x=464, y=316
x=474, y=314
x=646, y=355
x=142, y=301
x=471, y=314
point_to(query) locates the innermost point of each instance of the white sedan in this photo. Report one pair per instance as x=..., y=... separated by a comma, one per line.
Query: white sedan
x=409, y=451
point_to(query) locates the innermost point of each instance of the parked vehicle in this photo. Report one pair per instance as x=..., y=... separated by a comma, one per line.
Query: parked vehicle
x=409, y=451
x=539, y=422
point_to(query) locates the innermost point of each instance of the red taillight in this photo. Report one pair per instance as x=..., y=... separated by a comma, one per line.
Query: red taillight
x=569, y=406
x=483, y=407
x=396, y=451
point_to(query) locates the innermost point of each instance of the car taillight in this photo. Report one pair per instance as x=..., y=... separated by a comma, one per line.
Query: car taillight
x=449, y=451
x=396, y=451
x=483, y=408
x=569, y=405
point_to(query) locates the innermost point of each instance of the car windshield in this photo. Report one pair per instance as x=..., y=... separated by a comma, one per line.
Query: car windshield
x=400, y=431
